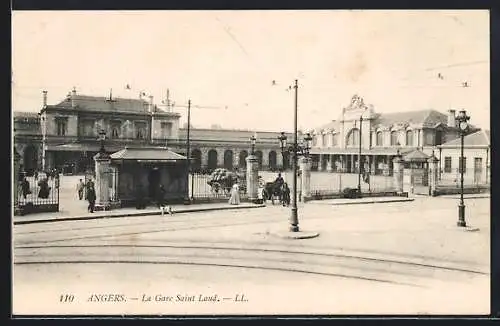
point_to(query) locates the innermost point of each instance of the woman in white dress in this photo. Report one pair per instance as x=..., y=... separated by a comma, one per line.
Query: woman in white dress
x=235, y=194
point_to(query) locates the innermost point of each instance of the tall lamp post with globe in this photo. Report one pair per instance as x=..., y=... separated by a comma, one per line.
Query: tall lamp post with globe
x=295, y=150
x=463, y=124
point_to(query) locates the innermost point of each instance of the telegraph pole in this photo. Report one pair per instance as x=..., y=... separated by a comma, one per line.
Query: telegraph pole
x=294, y=219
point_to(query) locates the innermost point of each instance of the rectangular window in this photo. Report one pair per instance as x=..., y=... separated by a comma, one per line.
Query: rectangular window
x=429, y=139
x=62, y=126
x=87, y=128
x=462, y=166
x=166, y=129
x=478, y=164
x=447, y=164
x=334, y=139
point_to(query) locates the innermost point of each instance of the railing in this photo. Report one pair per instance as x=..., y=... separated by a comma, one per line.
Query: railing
x=201, y=191
x=334, y=183
x=38, y=195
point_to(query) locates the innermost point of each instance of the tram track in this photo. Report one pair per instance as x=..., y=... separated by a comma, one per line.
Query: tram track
x=320, y=263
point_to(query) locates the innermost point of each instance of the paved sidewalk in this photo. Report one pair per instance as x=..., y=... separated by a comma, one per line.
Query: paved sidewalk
x=468, y=196
x=63, y=215
x=366, y=200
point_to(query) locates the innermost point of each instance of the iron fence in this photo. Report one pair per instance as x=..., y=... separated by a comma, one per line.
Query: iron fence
x=39, y=194
x=200, y=188
x=323, y=183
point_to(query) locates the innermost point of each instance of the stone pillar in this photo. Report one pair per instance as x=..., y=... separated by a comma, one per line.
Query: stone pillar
x=305, y=168
x=252, y=177
x=15, y=179
x=398, y=168
x=102, y=175
x=329, y=163
x=433, y=174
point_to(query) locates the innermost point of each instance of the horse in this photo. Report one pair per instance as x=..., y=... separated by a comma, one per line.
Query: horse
x=273, y=190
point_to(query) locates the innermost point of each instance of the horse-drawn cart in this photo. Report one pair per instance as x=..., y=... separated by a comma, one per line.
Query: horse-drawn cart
x=223, y=179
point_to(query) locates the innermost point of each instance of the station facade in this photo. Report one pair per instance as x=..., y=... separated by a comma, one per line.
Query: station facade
x=66, y=135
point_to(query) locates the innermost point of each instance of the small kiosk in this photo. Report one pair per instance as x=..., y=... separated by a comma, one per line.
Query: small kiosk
x=416, y=172
x=146, y=169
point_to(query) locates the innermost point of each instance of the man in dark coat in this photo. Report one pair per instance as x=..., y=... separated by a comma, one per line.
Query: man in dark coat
x=44, y=189
x=91, y=197
x=160, y=196
x=286, y=195
x=25, y=187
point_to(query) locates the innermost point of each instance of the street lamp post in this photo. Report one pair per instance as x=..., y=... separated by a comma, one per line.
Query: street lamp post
x=359, y=152
x=187, y=200
x=464, y=126
x=295, y=150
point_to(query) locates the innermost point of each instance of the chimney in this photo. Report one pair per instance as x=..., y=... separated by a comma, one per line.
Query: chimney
x=451, y=119
x=150, y=104
x=73, y=97
x=44, y=98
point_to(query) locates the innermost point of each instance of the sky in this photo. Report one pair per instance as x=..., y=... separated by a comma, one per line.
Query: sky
x=226, y=61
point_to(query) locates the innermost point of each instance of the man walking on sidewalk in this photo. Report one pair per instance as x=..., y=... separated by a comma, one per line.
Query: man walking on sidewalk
x=79, y=187
x=91, y=197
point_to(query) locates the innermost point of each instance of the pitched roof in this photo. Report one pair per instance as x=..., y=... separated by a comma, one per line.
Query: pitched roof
x=147, y=154
x=28, y=115
x=478, y=138
x=416, y=156
x=332, y=125
x=428, y=118
x=100, y=103
x=231, y=134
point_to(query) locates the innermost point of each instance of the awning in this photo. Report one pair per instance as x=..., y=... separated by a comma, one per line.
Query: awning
x=80, y=148
x=355, y=151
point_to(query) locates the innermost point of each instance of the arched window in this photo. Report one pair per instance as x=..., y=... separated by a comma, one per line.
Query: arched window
x=409, y=138
x=394, y=138
x=379, y=140
x=324, y=140
x=115, y=133
x=228, y=159
x=353, y=137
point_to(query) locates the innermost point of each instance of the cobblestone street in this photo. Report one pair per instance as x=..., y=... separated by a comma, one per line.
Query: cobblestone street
x=407, y=257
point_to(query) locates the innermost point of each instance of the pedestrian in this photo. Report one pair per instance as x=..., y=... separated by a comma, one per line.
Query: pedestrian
x=44, y=189
x=140, y=197
x=261, y=194
x=89, y=184
x=91, y=197
x=235, y=194
x=25, y=187
x=286, y=195
x=160, y=195
x=79, y=188
x=36, y=175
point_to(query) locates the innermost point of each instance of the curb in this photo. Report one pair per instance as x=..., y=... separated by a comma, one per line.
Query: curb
x=368, y=202
x=95, y=217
